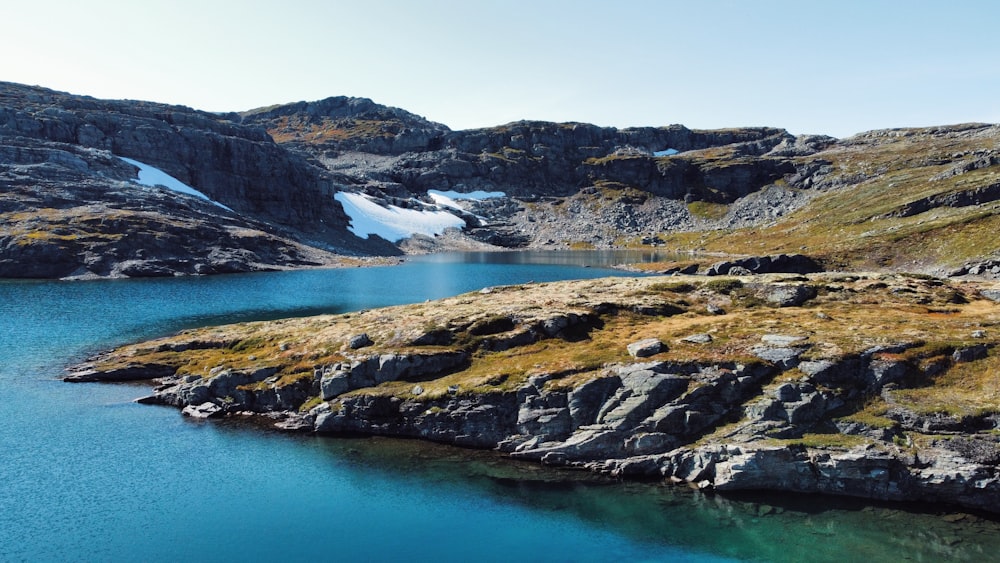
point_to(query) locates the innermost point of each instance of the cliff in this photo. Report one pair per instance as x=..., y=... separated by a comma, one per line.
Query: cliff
x=871, y=385
x=72, y=207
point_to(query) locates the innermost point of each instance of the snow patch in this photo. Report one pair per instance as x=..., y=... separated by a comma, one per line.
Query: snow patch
x=152, y=176
x=666, y=152
x=450, y=198
x=393, y=223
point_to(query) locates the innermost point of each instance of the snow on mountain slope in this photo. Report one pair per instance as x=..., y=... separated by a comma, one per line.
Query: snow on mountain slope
x=393, y=223
x=152, y=176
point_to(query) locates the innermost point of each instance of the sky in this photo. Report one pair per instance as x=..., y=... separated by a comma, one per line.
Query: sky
x=809, y=66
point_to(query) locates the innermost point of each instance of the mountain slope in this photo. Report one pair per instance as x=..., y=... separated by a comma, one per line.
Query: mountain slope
x=70, y=207
x=917, y=199
x=908, y=199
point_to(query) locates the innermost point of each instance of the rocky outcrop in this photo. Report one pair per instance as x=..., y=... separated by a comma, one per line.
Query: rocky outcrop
x=542, y=373
x=73, y=211
x=348, y=124
x=965, y=198
x=779, y=263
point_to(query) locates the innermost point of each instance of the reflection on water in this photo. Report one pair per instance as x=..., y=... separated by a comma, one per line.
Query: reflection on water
x=608, y=258
x=756, y=526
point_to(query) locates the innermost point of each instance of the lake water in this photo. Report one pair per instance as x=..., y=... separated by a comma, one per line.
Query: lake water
x=88, y=475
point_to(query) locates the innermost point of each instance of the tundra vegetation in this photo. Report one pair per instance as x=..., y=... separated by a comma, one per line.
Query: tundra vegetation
x=879, y=385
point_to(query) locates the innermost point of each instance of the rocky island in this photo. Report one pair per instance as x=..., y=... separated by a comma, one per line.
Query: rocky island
x=880, y=386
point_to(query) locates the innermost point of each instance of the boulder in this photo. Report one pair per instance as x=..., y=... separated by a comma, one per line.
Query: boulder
x=360, y=341
x=777, y=264
x=818, y=368
x=701, y=338
x=646, y=347
x=970, y=353
x=785, y=295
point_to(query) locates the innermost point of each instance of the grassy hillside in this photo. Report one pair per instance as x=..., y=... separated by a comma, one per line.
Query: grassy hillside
x=899, y=199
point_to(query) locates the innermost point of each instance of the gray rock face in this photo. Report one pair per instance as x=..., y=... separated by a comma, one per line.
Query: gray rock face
x=481, y=421
x=335, y=382
x=785, y=358
x=368, y=371
x=406, y=154
x=991, y=294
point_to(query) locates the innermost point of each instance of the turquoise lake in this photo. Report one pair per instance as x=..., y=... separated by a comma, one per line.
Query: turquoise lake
x=88, y=475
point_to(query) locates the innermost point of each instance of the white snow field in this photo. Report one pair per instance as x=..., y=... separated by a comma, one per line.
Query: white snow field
x=152, y=176
x=450, y=198
x=393, y=223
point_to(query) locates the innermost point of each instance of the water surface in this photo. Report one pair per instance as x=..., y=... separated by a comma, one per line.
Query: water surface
x=88, y=475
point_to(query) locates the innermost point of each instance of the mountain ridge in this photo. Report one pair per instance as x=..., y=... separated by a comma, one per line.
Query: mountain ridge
x=564, y=185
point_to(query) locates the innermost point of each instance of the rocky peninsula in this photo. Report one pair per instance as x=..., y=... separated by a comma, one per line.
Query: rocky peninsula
x=880, y=386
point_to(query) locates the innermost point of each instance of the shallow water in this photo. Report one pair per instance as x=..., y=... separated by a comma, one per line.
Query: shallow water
x=89, y=475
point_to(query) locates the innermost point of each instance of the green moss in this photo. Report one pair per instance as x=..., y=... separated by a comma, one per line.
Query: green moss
x=311, y=403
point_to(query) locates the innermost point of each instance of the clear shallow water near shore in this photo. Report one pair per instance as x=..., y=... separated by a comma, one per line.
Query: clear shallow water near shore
x=87, y=475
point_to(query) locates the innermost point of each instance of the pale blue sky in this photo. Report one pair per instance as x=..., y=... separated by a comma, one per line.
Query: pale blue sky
x=812, y=67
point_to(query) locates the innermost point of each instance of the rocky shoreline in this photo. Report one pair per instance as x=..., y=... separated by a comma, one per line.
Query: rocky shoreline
x=868, y=385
